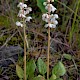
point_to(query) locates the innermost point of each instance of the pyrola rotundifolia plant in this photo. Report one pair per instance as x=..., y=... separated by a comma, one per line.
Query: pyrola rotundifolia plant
x=51, y=22
x=49, y=17
x=24, y=10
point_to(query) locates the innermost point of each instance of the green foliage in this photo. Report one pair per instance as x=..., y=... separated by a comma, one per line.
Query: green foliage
x=53, y=77
x=59, y=79
x=59, y=69
x=41, y=6
x=20, y=79
x=39, y=77
x=67, y=56
x=41, y=66
x=4, y=21
x=31, y=66
x=19, y=72
x=55, y=0
x=74, y=21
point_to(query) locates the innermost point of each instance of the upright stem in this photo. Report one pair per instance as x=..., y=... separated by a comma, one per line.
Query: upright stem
x=48, y=53
x=24, y=46
x=24, y=53
x=48, y=43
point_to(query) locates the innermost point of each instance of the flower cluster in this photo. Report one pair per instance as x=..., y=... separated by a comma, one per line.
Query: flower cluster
x=49, y=18
x=24, y=10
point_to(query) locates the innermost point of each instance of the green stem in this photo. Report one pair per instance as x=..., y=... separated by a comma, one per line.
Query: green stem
x=73, y=24
x=68, y=8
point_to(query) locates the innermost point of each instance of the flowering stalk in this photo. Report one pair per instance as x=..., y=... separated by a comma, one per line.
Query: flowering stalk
x=48, y=42
x=48, y=53
x=24, y=50
x=24, y=10
x=51, y=21
x=24, y=46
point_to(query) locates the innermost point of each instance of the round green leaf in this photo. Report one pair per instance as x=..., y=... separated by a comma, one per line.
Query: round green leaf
x=59, y=69
x=41, y=66
x=67, y=56
x=59, y=79
x=19, y=71
x=39, y=77
x=53, y=77
x=30, y=68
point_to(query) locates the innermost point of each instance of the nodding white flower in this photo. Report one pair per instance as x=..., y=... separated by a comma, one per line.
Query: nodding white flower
x=19, y=24
x=53, y=26
x=45, y=17
x=28, y=19
x=22, y=5
x=21, y=15
x=55, y=16
x=54, y=22
x=50, y=18
x=50, y=25
x=52, y=0
x=24, y=10
x=50, y=7
x=29, y=8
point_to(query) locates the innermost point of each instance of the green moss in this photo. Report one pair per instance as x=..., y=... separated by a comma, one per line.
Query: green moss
x=4, y=21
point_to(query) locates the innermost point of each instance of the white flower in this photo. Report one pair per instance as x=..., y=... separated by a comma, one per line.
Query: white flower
x=27, y=10
x=19, y=24
x=53, y=9
x=50, y=25
x=56, y=16
x=52, y=0
x=28, y=19
x=46, y=25
x=50, y=18
x=45, y=17
x=50, y=7
x=21, y=13
x=53, y=26
x=22, y=5
x=55, y=22
x=24, y=10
